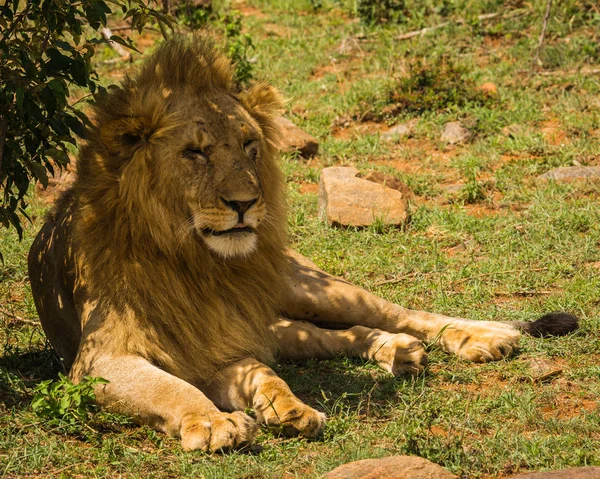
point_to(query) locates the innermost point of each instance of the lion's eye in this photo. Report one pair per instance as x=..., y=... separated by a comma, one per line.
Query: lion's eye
x=251, y=148
x=194, y=152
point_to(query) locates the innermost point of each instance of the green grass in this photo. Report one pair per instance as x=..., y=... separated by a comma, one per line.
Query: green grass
x=497, y=245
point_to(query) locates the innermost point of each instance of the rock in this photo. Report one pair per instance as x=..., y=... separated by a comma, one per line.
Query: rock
x=347, y=200
x=575, y=473
x=394, y=467
x=542, y=369
x=572, y=173
x=489, y=88
x=296, y=140
x=454, y=133
x=398, y=131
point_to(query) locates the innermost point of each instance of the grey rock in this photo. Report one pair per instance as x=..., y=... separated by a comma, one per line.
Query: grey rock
x=296, y=140
x=542, y=369
x=394, y=467
x=345, y=199
x=572, y=173
x=398, y=131
x=575, y=473
x=454, y=133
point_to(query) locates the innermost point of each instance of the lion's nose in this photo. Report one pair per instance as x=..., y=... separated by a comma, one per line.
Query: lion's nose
x=240, y=207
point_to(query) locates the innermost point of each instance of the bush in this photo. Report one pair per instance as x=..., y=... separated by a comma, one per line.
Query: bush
x=64, y=404
x=44, y=53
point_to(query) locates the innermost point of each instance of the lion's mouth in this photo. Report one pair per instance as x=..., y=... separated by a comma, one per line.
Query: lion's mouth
x=234, y=230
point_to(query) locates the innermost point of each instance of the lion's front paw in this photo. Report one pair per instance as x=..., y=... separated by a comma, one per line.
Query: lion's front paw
x=296, y=419
x=480, y=341
x=217, y=432
x=279, y=408
x=399, y=353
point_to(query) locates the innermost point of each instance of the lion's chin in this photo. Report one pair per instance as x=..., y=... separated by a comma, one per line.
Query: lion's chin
x=232, y=245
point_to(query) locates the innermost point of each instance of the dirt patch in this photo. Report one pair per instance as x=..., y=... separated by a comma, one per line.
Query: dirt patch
x=309, y=188
x=553, y=133
x=481, y=210
x=356, y=130
x=248, y=10
x=567, y=407
x=276, y=30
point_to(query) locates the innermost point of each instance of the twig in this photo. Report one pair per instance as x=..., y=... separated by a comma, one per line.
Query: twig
x=11, y=315
x=423, y=31
x=536, y=60
x=522, y=293
x=582, y=71
x=106, y=33
x=3, y=124
x=401, y=278
x=493, y=273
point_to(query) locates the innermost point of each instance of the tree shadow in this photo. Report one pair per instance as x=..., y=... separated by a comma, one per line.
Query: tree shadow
x=21, y=370
x=353, y=384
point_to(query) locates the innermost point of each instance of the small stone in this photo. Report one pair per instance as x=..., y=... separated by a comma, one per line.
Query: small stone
x=574, y=473
x=345, y=199
x=572, y=173
x=543, y=370
x=454, y=133
x=296, y=140
x=394, y=467
x=489, y=88
x=399, y=131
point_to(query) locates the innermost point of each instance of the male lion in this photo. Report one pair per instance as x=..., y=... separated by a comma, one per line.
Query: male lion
x=164, y=268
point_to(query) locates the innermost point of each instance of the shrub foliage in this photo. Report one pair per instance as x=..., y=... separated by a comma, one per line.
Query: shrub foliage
x=45, y=50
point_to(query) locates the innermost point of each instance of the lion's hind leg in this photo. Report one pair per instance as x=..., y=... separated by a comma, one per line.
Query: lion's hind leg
x=397, y=353
x=249, y=383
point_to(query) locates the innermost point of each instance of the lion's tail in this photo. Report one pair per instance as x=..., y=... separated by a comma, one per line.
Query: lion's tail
x=551, y=324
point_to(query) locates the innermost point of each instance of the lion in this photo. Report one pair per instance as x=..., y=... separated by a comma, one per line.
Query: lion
x=165, y=270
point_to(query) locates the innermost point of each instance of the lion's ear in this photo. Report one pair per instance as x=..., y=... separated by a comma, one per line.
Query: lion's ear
x=126, y=135
x=264, y=99
x=265, y=104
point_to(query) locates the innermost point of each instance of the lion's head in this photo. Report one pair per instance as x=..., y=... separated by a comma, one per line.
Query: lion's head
x=180, y=142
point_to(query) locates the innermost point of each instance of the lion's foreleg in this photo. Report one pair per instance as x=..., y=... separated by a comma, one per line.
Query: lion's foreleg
x=396, y=353
x=314, y=295
x=249, y=383
x=165, y=402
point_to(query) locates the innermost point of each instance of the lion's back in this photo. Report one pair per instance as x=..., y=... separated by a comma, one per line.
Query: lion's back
x=51, y=266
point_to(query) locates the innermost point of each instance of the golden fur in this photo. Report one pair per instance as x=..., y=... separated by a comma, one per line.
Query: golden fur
x=164, y=269
x=131, y=226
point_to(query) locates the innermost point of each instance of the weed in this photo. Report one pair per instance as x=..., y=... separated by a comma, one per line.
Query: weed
x=64, y=404
x=238, y=45
x=441, y=86
x=381, y=11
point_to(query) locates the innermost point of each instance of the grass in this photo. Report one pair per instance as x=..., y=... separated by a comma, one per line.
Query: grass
x=486, y=241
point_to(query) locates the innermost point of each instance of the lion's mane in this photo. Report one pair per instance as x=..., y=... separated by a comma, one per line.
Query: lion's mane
x=175, y=299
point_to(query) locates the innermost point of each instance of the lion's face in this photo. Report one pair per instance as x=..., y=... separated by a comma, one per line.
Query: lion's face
x=215, y=159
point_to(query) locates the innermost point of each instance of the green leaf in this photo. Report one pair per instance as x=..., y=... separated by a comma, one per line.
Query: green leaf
x=39, y=172
x=126, y=43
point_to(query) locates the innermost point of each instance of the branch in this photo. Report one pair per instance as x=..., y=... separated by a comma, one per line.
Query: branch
x=106, y=34
x=494, y=273
x=582, y=71
x=11, y=315
x=536, y=60
x=423, y=31
x=3, y=125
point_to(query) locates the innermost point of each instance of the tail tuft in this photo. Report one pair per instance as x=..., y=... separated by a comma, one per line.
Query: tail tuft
x=551, y=324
